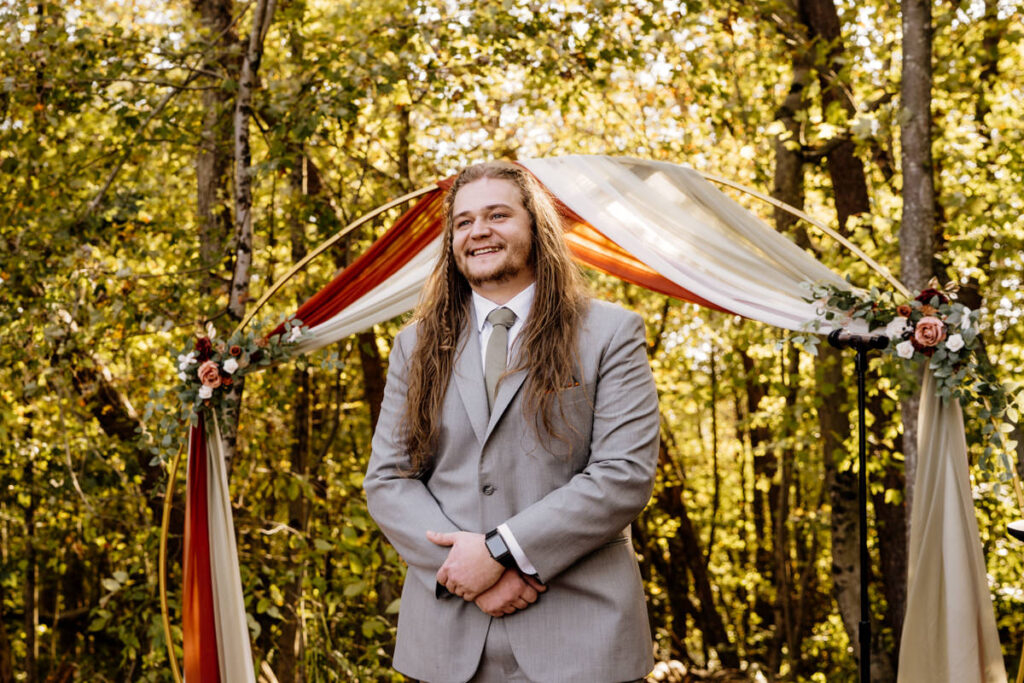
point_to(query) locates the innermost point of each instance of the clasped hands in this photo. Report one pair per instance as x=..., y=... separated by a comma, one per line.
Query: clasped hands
x=472, y=574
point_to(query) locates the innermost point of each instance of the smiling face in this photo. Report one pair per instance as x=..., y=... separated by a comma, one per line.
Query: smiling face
x=492, y=238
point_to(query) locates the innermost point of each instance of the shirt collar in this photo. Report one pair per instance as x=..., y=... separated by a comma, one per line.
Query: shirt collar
x=519, y=304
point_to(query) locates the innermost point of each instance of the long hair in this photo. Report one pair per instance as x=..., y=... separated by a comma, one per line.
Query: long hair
x=548, y=342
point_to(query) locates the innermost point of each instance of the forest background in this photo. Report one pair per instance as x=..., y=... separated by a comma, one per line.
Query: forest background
x=161, y=163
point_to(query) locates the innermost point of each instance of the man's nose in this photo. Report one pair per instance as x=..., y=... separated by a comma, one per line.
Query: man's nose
x=481, y=227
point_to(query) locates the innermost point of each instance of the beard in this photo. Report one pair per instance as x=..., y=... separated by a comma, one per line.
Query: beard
x=518, y=257
x=503, y=273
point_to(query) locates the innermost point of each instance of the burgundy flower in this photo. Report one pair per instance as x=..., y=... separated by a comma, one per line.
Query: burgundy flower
x=904, y=310
x=926, y=296
x=209, y=374
x=204, y=347
x=235, y=350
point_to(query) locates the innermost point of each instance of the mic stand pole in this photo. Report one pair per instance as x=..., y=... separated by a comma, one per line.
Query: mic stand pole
x=862, y=344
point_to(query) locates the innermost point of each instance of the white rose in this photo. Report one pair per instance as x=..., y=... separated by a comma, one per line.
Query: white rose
x=954, y=342
x=205, y=391
x=897, y=327
x=905, y=349
x=230, y=365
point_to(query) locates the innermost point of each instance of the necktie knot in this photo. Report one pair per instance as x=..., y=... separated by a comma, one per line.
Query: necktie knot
x=504, y=317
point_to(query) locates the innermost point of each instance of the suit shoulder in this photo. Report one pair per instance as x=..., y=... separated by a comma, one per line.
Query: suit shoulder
x=609, y=322
x=407, y=336
x=608, y=314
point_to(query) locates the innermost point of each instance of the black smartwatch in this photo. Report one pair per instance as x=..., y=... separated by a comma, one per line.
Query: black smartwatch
x=498, y=550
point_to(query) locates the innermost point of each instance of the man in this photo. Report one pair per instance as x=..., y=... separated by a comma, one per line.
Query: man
x=513, y=450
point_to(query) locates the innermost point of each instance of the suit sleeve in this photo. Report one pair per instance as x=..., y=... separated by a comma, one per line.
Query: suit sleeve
x=401, y=505
x=606, y=496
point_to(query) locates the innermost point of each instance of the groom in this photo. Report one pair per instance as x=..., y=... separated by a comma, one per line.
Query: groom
x=516, y=443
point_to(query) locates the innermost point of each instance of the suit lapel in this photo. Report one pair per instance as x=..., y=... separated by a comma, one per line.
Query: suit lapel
x=469, y=378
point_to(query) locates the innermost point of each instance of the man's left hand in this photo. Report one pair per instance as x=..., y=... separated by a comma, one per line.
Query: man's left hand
x=469, y=569
x=513, y=592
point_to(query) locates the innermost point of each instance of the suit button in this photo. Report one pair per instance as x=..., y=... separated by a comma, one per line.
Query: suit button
x=487, y=489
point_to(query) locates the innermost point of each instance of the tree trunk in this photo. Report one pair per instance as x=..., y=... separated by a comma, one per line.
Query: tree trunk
x=842, y=489
x=290, y=643
x=846, y=171
x=242, y=243
x=764, y=467
x=917, y=227
x=685, y=552
x=373, y=373
x=247, y=84
x=891, y=528
x=31, y=615
x=6, y=655
x=213, y=161
x=716, y=475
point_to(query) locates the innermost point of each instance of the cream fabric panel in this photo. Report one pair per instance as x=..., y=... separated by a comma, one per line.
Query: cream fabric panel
x=949, y=633
x=235, y=655
x=681, y=226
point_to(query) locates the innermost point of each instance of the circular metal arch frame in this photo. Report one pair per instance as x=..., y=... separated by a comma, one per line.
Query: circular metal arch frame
x=333, y=239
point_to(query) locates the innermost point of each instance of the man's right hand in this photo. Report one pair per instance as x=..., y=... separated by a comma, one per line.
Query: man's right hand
x=512, y=592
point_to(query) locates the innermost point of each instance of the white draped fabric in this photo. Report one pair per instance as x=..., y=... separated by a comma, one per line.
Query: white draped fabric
x=949, y=632
x=682, y=227
x=235, y=659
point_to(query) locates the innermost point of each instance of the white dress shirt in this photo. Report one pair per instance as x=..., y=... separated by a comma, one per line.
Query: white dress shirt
x=520, y=305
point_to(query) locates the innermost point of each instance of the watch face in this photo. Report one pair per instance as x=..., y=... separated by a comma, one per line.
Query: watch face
x=496, y=546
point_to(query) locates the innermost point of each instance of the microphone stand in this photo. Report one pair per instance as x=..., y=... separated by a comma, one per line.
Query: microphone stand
x=862, y=343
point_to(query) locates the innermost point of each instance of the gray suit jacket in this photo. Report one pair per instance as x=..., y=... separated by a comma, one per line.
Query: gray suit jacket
x=569, y=505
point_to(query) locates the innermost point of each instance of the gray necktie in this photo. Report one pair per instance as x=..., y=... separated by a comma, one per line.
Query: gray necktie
x=496, y=354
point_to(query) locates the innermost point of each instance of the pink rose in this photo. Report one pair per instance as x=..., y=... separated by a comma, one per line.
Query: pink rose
x=209, y=374
x=929, y=331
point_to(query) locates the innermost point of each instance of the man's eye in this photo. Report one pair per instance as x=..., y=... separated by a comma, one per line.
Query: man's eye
x=495, y=216
x=461, y=224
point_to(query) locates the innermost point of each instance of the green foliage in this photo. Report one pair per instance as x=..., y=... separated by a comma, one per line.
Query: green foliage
x=103, y=107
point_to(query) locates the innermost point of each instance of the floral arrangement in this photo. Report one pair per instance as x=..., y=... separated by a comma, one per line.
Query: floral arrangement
x=211, y=369
x=932, y=327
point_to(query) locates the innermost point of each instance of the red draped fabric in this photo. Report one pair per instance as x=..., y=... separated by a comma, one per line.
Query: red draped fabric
x=198, y=627
x=413, y=231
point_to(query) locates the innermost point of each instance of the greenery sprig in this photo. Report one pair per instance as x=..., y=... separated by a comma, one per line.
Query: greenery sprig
x=936, y=329
x=209, y=367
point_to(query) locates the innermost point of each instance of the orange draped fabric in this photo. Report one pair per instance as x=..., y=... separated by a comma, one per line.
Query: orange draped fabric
x=198, y=627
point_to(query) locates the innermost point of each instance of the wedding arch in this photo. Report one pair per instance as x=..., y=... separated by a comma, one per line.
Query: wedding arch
x=655, y=224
